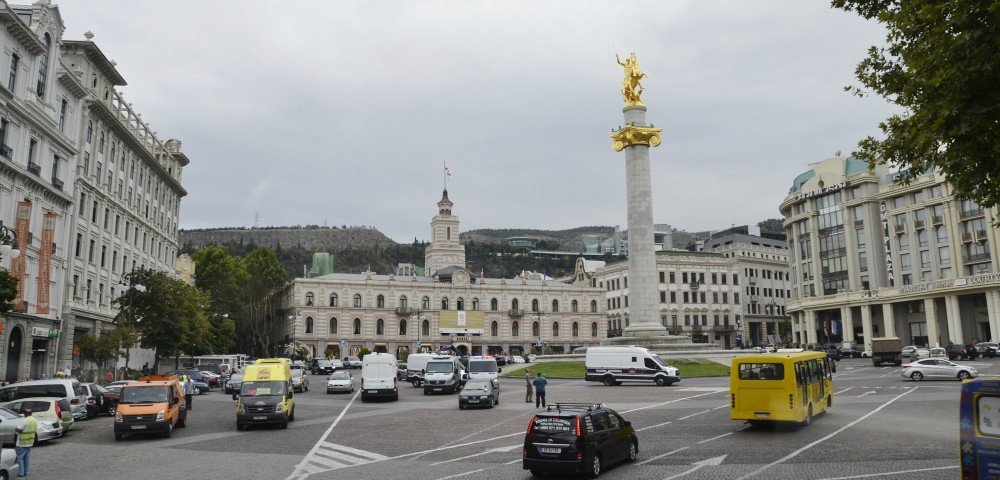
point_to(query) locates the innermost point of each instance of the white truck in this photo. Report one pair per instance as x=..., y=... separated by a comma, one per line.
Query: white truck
x=378, y=377
x=484, y=368
x=416, y=363
x=614, y=365
x=446, y=375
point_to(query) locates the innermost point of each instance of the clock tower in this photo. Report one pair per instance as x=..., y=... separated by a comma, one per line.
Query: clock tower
x=445, y=250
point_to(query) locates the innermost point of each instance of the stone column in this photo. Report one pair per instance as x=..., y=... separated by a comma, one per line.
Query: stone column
x=810, y=326
x=889, y=319
x=866, y=324
x=954, y=322
x=847, y=323
x=930, y=313
x=644, y=318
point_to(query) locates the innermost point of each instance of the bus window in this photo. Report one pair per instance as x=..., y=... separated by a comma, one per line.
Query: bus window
x=762, y=371
x=798, y=374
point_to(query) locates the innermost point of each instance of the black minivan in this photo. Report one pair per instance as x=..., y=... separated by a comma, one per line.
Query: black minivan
x=572, y=437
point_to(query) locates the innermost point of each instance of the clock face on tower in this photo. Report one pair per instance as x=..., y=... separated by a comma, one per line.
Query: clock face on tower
x=461, y=278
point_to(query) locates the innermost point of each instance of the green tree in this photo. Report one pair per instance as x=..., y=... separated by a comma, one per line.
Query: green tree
x=223, y=334
x=265, y=276
x=364, y=351
x=8, y=290
x=940, y=65
x=223, y=277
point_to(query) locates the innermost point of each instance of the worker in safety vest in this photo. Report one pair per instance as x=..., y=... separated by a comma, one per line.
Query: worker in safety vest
x=25, y=440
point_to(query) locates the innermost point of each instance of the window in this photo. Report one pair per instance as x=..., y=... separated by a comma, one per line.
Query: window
x=100, y=142
x=62, y=116
x=494, y=305
x=673, y=278
x=79, y=240
x=310, y=299
x=402, y=301
x=43, y=67
x=576, y=329
x=942, y=234
x=944, y=254
x=380, y=301
x=555, y=305
x=309, y=324
x=90, y=252
x=515, y=329
x=460, y=304
x=333, y=296
x=333, y=325
x=89, y=284
x=357, y=326
x=425, y=303
x=593, y=329
x=514, y=304
x=534, y=329
x=380, y=327
x=425, y=328
x=402, y=327
x=357, y=300
x=925, y=259
x=494, y=329
x=12, y=75
x=555, y=329
x=593, y=306
x=90, y=132
x=534, y=305
x=444, y=303
x=762, y=371
x=574, y=306
x=475, y=304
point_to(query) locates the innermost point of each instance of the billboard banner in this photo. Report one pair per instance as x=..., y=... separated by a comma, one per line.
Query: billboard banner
x=17, y=265
x=45, y=263
x=460, y=322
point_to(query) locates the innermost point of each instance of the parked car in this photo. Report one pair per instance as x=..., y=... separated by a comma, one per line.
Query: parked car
x=340, y=381
x=320, y=366
x=10, y=420
x=866, y=353
x=568, y=438
x=401, y=372
x=95, y=399
x=300, y=381
x=214, y=372
x=938, y=352
x=920, y=353
x=47, y=413
x=69, y=389
x=930, y=368
x=235, y=383
x=8, y=463
x=831, y=351
x=479, y=393
x=908, y=351
x=352, y=362
x=501, y=360
x=200, y=379
x=517, y=359
x=111, y=396
x=212, y=379
x=337, y=364
x=956, y=352
x=988, y=349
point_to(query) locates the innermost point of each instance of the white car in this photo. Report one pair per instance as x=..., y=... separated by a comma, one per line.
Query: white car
x=340, y=381
x=337, y=364
x=931, y=368
x=517, y=359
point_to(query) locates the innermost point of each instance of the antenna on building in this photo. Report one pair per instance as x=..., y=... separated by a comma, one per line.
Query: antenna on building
x=256, y=220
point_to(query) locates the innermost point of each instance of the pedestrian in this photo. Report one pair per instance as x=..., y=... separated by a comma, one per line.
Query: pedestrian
x=109, y=377
x=223, y=378
x=145, y=369
x=68, y=372
x=188, y=391
x=527, y=380
x=25, y=440
x=540, y=384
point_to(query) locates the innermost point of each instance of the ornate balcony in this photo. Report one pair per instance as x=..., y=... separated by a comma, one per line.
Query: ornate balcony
x=6, y=152
x=57, y=183
x=918, y=224
x=977, y=258
x=516, y=312
x=34, y=168
x=404, y=311
x=937, y=220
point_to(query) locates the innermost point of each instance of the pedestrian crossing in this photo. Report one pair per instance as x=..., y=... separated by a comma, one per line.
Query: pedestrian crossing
x=331, y=456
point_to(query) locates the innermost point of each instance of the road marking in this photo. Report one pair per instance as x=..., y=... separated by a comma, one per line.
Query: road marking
x=715, y=461
x=716, y=437
x=893, y=372
x=721, y=406
x=692, y=415
x=821, y=440
x=703, y=389
x=507, y=421
x=513, y=462
x=461, y=474
x=662, y=455
x=653, y=426
x=670, y=401
x=884, y=474
x=870, y=392
x=492, y=450
x=842, y=391
x=304, y=469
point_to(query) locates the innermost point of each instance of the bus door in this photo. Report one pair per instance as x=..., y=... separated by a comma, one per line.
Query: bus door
x=802, y=382
x=820, y=379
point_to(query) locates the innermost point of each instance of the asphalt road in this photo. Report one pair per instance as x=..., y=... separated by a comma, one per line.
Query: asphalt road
x=879, y=424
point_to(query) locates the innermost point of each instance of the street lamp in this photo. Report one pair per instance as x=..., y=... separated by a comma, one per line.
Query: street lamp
x=294, y=318
x=133, y=281
x=8, y=241
x=539, y=316
x=418, y=314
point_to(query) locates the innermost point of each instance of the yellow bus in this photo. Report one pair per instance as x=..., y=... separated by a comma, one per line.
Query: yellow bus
x=788, y=386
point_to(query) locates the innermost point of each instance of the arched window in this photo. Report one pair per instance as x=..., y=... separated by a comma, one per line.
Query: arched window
x=555, y=329
x=380, y=301
x=309, y=324
x=100, y=142
x=534, y=329
x=514, y=304
x=402, y=301
x=425, y=303
x=515, y=329
x=460, y=304
x=555, y=305
x=593, y=329
x=593, y=306
x=475, y=304
x=494, y=304
x=380, y=327
x=90, y=131
x=534, y=305
x=402, y=327
x=333, y=299
x=333, y=325
x=310, y=299
x=576, y=329
x=357, y=300
x=449, y=233
x=444, y=303
x=43, y=67
x=575, y=306
x=357, y=326
x=425, y=329
x=494, y=329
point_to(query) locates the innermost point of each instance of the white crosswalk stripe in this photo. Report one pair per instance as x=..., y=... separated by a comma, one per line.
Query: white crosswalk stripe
x=331, y=456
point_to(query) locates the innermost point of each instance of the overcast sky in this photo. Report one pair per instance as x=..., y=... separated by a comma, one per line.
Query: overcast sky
x=344, y=112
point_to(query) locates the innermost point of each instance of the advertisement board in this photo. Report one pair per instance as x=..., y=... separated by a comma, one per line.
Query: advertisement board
x=460, y=322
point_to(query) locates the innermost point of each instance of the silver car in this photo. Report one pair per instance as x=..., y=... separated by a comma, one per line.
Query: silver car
x=300, y=381
x=931, y=368
x=9, y=421
x=340, y=381
x=8, y=462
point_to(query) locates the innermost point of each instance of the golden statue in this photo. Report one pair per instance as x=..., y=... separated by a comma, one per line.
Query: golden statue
x=631, y=85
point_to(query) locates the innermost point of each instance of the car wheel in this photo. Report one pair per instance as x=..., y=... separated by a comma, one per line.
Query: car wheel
x=609, y=380
x=633, y=451
x=595, y=467
x=119, y=436
x=916, y=376
x=660, y=381
x=284, y=425
x=963, y=375
x=170, y=430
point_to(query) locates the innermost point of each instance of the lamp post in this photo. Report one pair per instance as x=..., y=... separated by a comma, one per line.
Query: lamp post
x=8, y=241
x=294, y=318
x=418, y=315
x=539, y=316
x=133, y=281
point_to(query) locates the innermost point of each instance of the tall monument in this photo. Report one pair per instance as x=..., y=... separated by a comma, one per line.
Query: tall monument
x=636, y=138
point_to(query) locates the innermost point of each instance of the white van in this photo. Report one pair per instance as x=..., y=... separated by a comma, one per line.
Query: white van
x=378, y=376
x=416, y=363
x=614, y=365
x=444, y=375
x=483, y=368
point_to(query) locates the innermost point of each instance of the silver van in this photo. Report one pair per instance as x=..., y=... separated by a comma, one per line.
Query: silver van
x=69, y=389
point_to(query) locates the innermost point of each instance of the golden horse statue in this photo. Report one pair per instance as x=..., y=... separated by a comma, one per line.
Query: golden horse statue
x=632, y=83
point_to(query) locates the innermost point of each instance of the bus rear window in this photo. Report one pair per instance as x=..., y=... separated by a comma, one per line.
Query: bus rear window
x=988, y=415
x=762, y=371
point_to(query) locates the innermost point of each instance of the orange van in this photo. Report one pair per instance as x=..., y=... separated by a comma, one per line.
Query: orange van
x=151, y=405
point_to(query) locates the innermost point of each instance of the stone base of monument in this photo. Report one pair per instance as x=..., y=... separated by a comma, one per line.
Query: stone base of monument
x=655, y=339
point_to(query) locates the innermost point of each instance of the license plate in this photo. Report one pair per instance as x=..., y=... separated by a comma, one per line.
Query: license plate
x=549, y=450
x=437, y=389
x=762, y=415
x=473, y=401
x=260, y=418
x=138, y=427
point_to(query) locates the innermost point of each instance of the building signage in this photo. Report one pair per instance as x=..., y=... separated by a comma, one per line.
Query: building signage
x=45, y=263
x=886, y=240
x=461, y=322
x=44, y=332
x=820, y=191
x=984, y=278
x=958, y=282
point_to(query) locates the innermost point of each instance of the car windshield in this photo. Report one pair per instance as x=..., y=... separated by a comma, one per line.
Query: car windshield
x=323, y=363
x=262, y=389
x=659, y=361
x=298, y=372
x=440, y=367
x=145, y=394
x=340, y=376
x=483, y=385
x=483, y=366
x=353, y=359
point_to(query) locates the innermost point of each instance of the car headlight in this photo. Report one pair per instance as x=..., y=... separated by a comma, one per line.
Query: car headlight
x=118, y=417
x=159, y=415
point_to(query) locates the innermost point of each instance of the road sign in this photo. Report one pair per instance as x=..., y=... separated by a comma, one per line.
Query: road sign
x=343, y=342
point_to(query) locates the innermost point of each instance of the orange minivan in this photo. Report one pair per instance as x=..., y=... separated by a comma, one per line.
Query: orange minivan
x=151, y=405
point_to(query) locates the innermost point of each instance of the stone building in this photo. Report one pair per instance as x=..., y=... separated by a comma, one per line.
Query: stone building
x=339, y=313
x=871, y=258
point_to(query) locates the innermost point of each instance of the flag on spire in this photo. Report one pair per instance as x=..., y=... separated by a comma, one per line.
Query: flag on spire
x=447, y=171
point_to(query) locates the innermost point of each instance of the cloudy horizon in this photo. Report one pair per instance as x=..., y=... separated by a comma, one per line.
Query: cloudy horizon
x=343, y=113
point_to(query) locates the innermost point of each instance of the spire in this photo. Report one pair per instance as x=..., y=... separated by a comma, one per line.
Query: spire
x=444, y=205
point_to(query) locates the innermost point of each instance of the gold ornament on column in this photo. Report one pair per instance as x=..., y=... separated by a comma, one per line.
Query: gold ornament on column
x=632, y=83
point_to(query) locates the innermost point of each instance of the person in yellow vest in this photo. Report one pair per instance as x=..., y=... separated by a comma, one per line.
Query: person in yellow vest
x=25, y=439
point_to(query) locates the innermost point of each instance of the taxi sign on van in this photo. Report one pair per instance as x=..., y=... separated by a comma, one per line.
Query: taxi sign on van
x=264, y=374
